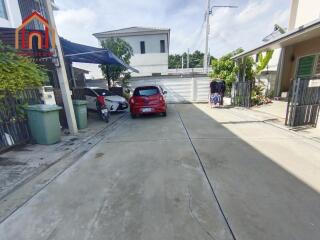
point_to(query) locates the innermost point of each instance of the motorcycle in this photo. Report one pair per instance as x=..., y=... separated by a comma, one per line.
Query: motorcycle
x=102, y=108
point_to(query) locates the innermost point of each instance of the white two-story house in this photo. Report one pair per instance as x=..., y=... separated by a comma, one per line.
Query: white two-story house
x=150, y=48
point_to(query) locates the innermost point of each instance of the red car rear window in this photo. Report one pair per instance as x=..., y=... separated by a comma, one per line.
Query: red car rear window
x=145, y=91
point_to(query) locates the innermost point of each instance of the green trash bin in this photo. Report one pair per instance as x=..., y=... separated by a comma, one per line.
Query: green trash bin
x=44, y=124
x=80, y=111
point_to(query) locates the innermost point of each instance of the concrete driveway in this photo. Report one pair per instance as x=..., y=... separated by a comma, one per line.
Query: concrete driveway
x=199, y=173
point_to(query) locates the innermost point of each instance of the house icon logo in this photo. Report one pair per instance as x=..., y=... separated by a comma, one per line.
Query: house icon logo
x=42, y=37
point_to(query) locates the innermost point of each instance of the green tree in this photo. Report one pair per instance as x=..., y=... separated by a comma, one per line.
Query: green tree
x=17, y=72
x=174, y=61
x=263, y=61
x=122, y=50
x=225, y=68
x=195, y=60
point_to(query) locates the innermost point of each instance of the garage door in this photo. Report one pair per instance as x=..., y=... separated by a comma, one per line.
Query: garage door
x=180, y=90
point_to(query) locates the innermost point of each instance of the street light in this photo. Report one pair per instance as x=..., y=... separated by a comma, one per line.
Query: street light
x=221, y=6
x=208, y=13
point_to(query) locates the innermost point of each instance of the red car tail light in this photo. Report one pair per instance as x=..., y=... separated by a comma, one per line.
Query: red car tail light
x=101, y=101
x=132, y=101
x=161, y=99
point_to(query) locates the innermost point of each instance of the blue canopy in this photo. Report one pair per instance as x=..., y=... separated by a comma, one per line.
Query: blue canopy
x=85, y=54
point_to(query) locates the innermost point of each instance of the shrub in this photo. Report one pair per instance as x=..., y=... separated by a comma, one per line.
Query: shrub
x=18, y=73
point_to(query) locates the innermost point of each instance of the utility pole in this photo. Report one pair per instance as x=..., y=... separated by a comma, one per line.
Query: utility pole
x=208, y=13
x=188, y=59
x=209, y=56
x=62, y=75
x=205, y=57
x=182, y=61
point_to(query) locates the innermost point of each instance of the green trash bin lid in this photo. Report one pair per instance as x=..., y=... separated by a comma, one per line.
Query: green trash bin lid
x=79, y=102
x=43, y=108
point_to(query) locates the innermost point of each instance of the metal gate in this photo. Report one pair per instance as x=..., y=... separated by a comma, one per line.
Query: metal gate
x=13, y=124
x=303, y=102
x=241, y=94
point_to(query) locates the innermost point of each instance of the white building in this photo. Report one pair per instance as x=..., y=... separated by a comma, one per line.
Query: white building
x=302, y=12
x=10, y=16
x=150, y=48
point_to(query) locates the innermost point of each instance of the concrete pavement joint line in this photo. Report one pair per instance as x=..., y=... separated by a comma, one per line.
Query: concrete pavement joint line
x=75, y=159
x=258, y=111
x=246, y=122
x=290, y=130
x=208, y=180
x=148, y=140
x=208, y=138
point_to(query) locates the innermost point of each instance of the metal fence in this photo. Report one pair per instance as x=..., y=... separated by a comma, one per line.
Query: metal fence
x=13, y=124
x=303, y=102
x=241, y=94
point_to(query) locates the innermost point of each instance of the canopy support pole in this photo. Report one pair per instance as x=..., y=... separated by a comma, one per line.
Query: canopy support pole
x=62, y=76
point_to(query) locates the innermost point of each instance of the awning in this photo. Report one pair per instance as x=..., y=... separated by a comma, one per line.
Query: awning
x=85, y=54
x=295, y=36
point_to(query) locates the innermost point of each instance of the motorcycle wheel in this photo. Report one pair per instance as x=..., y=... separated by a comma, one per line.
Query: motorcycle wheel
x=106, y=117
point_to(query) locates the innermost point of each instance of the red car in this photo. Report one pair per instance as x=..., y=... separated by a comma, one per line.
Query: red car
x=148, y=100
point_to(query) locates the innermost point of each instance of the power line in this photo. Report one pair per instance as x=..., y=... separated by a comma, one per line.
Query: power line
x=196, y=40
x=208, y=13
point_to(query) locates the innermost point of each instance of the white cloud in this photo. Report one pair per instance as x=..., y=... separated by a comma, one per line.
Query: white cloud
x=230, y=28
x=76, y=24
x=253, y=10
x=246, y=27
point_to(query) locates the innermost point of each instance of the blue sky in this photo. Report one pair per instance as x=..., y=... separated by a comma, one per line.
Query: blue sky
x=230, y=28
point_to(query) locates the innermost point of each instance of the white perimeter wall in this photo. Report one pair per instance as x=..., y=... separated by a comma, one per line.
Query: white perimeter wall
x=180, y=90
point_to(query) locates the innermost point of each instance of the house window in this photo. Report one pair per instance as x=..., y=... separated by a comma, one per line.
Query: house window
x=3, y=11
x=142, y=47
x=306, y=66
x=162, y=46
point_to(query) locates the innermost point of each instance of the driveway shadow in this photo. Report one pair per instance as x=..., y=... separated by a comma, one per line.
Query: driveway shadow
x=266, y=179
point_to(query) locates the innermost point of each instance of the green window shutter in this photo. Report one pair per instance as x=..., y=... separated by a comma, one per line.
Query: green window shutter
x=318, y=67
x=305, y=66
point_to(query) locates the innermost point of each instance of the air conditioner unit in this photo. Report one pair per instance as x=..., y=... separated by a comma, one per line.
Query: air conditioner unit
x=47, y=95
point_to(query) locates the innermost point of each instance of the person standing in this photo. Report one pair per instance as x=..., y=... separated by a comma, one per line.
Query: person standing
x=221, y=90
x=213, y=92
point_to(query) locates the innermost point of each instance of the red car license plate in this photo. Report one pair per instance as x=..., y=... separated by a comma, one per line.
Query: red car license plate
x=146, y=110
